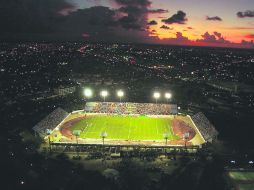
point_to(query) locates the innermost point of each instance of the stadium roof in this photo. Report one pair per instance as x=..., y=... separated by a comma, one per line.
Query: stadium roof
x=50, y=121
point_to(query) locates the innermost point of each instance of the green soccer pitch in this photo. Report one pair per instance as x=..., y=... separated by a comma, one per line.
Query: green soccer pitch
x=125, y=127
x=242, y=176
x=242, y=180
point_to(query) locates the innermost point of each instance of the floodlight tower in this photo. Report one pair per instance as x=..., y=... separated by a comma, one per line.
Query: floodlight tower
x=120, y=94
x=166, y=136
x=104, y=94
x=77, y=134
x=156, y=95
x=88, y=92
x=48, y=132
x=186, y=138
x=168, y=96
x=103, y=136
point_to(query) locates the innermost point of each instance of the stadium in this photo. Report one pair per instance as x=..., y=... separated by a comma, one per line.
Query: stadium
x=126, y=124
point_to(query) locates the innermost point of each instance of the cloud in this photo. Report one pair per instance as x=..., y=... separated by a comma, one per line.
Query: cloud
x=166, y=27
x=133, y=14
x=214, y=18
x=216, y=37
x=94, y=21
x=58, y=20
x=178, y=18
x=158, y=11
x=31, y=16
x=129, y=22
x=161, y=17
x=217, y=34
x=67, y=20
x=240, y=28
x=249, y=36
x=244, y=42
x=153, y=22
x=133, y=10
x=67, y=10
x=134, y=2
x=244, y=14
x=180, y=37
x=247, y=44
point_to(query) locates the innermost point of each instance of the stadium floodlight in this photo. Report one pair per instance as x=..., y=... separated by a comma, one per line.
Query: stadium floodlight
x=77, y=134
x=168, y=96
x=156, y=95
x=48, y=132
x=88, y=93
x=120, y=94
x=186, y=136
x=104, y=94
x=166, y=136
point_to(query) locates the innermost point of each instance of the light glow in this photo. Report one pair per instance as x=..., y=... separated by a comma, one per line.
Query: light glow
x=88, y=93
x=120, y=93
x=168, y=95
x=104, y=93
x=156, y=95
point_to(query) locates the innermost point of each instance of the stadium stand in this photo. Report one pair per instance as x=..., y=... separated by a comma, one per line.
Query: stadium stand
x=205, y=127
x=131, y=108
x=50, y=121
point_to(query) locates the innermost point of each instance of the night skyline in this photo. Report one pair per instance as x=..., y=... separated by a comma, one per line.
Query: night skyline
x=195, y=22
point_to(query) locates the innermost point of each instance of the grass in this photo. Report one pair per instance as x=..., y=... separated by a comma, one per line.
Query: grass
x=242, y=176
x=246, y=187
x=124, y=127
x=243, y=180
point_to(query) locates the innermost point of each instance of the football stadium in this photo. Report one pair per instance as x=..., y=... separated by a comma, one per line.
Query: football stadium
x=126, y=124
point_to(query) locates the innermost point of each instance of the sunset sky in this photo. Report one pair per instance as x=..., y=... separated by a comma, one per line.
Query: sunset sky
x=226, y=23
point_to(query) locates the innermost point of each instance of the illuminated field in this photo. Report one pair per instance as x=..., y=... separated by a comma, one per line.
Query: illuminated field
x=124, y=127
x=127, y=129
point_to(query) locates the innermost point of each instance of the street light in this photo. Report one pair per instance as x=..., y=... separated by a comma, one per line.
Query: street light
x=168, y=96
x=88, y=93
x=104, y=94
x=120, y=94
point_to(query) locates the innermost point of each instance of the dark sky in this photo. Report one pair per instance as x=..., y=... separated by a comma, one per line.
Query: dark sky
x=192, y=22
